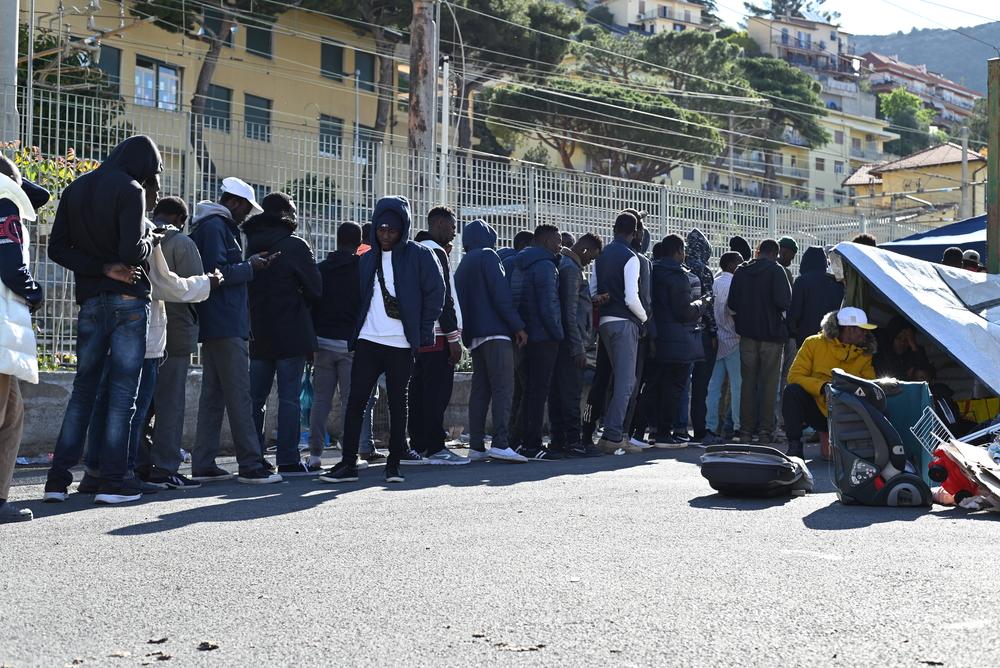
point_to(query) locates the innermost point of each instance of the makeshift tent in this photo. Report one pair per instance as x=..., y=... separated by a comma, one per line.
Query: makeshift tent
x=966, y=234
x=955, y=310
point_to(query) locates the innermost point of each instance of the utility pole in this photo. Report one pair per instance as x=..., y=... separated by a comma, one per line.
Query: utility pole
x=963, y=211
x=445, y=122
x=9, y=119
x=423, y=79
x=993, y=169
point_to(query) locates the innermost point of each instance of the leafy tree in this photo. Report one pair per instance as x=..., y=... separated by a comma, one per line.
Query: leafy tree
x=906, y=111
x=87, y=98
x=979, y=124
x=611, y=57
x=798, y=109
x=796, y=8
x=602, y=15
x=503, y=48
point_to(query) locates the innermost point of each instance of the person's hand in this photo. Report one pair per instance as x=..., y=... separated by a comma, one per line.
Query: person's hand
x=455, y=352
x=580, y=361
x=122, y=273
x=215, y=278
x=262, y=260
x=35, y=305
x=520, y=338
x=601, y=299
x=158, y=235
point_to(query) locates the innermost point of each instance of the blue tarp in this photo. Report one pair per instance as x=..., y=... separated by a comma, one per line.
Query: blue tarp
x=930, y=246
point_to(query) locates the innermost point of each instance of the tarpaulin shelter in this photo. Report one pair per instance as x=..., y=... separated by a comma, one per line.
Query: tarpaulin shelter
x=967, y=234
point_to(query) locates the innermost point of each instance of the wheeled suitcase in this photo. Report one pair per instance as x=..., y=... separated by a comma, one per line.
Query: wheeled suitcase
x=754, y=470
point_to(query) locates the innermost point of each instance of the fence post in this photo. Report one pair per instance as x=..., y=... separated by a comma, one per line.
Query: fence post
x=532, y=197
x=190, y=164
x=664, y=211
x=381, y=169
x=863, y=225
x=772, y=219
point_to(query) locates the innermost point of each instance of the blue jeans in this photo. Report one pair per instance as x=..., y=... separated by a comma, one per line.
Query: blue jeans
x=111, y=333
x=143, y=401
x=724, y=366
x=289, y=372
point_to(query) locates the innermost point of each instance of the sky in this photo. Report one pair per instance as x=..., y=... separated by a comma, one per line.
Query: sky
x=881, y=17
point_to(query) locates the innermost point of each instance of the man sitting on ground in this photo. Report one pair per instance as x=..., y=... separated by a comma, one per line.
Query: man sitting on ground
x=845, y=342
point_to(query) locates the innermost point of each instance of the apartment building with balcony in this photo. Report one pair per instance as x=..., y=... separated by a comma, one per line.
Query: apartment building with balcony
x=952, y=103
x=818, y=47
x=656, y=16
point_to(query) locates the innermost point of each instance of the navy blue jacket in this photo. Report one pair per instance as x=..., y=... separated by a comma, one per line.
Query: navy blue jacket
x=226, y=312
x=814, y=294
x=577, y=308
x=610, y=267
x=483, y=291
x=417, y=279
x=336, y=313
x=534, y=280
x=678, y=337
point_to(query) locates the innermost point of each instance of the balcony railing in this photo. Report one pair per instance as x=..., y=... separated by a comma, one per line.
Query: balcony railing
x=868, y=154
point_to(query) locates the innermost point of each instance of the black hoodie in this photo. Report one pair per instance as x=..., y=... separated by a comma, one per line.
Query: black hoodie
x=100, y=220
x=758, y=297
x=281, y=323
x=814, y=294
x=336, y=313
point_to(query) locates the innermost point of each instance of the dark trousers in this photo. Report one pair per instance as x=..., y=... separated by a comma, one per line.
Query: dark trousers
x=699, y=385
x=671, y=377
x=371, y=360
x=517, y=400
x=799, y=408
x=597, y=397
x=430, y=392
x=648, y=404
x=564, y=400
x=536, y=369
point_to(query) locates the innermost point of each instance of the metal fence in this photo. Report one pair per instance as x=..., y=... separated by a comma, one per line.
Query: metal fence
x=335, y=177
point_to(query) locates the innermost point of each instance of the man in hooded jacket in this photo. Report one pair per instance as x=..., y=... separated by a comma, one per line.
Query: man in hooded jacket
x=698, y=252
x=282, y=326
x=491, y=326
x=402, y=295
x=224, y=332
x=814, y=294
x=100, y=234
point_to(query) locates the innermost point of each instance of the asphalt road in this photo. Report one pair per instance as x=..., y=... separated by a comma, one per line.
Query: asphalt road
x=627, y=560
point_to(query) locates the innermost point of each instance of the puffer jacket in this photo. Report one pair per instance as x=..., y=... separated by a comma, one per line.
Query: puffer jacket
x=814, y=294
x=534, y=280
x=676, y=314
x=577, y=308
x=822, y=353
x=416, y=278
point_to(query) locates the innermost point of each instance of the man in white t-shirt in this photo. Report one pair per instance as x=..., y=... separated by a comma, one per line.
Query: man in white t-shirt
x=402, y=294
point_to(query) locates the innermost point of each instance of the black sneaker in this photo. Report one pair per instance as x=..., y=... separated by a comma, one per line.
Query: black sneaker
x=374, y=457
x=212, y=475
x=540, y=454
x=123, y=492
x=299, y=470
x=412, y=458
x=682, y=437
x=795, y=449
x=172, y=481
x=147, y=487
x=392, y=473
x=268, y=466
x=90, y=484
x=342, y=472
x=258, y=477
x=9, y=513
x=57, y=486
x=580, y=451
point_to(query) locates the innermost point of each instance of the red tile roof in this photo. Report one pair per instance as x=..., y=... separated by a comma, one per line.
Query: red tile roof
x=942, y=154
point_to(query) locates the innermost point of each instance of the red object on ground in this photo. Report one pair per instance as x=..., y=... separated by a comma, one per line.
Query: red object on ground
x=946, y=472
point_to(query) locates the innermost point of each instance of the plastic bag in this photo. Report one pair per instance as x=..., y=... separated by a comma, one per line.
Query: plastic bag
x=306, y=397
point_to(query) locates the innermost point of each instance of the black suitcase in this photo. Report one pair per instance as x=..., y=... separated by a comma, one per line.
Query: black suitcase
x=754, y=470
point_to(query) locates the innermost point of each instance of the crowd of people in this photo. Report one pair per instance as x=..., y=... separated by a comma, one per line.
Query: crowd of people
x=669, y=351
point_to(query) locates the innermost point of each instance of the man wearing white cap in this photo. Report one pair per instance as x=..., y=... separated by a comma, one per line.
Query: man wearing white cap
x=845, y=342
x=224, y=330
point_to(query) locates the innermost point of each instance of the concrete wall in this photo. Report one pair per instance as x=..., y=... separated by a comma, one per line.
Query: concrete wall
x=45, y=404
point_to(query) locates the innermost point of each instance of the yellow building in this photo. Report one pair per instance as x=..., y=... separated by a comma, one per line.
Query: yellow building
x=929, y=180
x=303, y=74
x=656, y=16
x=816, y=46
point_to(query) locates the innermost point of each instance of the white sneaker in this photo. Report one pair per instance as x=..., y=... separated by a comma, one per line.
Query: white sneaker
x=54, y=497
x=478, y=455
x=314, y=461
x=505, y=455
x=361, y=463
x=446, y=458
x=639, y=443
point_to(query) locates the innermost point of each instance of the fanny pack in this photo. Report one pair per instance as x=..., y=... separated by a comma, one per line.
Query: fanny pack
x=391, y=303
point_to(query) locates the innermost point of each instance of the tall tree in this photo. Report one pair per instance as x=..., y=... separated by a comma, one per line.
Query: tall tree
x=979, y=123
x=795, y=104
x=503, y=39
x=906, y=111
x=794, y=8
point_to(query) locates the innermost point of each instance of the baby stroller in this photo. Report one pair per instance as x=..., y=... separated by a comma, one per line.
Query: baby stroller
x=869, y=460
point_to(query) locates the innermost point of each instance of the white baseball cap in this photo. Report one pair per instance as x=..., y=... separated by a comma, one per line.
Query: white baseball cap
x=850, y=316
x=241, y=188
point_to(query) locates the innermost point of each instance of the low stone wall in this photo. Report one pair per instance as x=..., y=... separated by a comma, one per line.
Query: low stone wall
x=45, y=404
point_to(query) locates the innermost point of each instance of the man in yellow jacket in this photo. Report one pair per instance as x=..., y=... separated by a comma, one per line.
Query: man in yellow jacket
x=845, y=341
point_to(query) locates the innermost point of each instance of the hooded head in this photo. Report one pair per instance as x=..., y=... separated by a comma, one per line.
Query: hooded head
x=813, y=260
x=392, y=213
x=137, y=156
x=478, y=234
x=697, y=251
x=741, y=246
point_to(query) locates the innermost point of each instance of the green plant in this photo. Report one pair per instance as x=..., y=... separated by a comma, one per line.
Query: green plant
x=52, y=173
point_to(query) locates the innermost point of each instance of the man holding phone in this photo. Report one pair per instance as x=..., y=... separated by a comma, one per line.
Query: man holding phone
x=224, y=332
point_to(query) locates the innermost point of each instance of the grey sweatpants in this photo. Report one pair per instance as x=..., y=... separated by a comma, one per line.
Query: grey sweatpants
x=621, y=340
x=225, y=388
x=330, y=371
x=492, y=382
x=168, y=397
x=11, y=427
